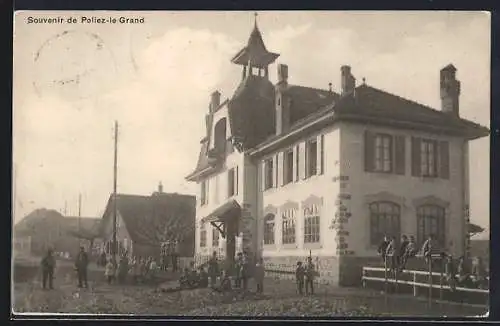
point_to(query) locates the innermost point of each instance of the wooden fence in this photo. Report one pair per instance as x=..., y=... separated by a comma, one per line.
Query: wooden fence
x=434, y=283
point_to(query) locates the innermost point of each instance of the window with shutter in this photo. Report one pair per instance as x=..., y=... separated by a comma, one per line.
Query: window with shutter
x=400, y=155
x=297, y=163
x=444, y=160
x=230, y=183
x=415, y=157
x=428, y=158
x=287, y=167
x=382, y=153
x=369, y=151
x=311, y=158
x=322, y=154
x=268, y=173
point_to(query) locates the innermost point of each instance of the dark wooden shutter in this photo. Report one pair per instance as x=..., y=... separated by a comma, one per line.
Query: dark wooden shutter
x=322, y=154
x=297, y=163
x=369, y=151
x=444, y=160
x=399, y=155
x=237, y=181
x=415, y=157
x=276, y=172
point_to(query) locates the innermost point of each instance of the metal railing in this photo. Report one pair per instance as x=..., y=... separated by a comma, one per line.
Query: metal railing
x=397, y=277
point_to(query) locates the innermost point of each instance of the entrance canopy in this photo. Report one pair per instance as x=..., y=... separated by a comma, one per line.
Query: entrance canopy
x=224, y=212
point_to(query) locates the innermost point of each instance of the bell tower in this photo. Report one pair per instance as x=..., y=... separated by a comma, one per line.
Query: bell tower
x=254, y=57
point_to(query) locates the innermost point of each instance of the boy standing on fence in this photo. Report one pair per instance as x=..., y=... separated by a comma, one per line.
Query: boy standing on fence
x=382, y=248
x=299, y=277
x=310, y=273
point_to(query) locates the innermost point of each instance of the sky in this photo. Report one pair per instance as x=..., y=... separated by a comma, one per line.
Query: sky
x=73, y=80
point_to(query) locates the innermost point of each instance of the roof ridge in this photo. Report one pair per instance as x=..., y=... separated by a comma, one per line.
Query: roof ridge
x=401, y=98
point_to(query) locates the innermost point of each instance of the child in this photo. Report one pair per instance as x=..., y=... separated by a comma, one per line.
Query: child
x=225, y=283
x=203, y=278
x=259, y=275
x=184, y=279
x=109, y=271
x=299, y=277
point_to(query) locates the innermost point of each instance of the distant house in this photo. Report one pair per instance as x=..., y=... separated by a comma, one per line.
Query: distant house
x=44, y=228
x=145, y=222
x=480, y=248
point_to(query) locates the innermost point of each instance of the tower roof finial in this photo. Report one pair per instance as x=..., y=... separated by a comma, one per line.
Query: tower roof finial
x=255, y=19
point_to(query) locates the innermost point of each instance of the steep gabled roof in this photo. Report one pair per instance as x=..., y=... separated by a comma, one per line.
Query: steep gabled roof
x=139, y=212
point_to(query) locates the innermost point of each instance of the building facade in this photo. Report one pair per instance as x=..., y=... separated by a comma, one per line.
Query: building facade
x=288, y=171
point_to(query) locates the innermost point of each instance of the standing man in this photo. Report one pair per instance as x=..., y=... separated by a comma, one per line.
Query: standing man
x=310, y=274
x=48, y=266
x=81, y=264
x=213, y=269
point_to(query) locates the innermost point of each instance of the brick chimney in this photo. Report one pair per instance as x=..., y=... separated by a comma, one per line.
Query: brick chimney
x=347, y=80
x=160, y=188
x=214, y=101
x=450, y=90
x=282, y=103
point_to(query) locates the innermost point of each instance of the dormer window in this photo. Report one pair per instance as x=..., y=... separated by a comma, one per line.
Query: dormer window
x=220, y=139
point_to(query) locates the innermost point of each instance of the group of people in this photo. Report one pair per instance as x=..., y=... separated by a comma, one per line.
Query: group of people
x=457, y=271
x=242, y=271
x=460, y=274
x=397, y=254
x=304, y=276
x=48, y=265
x=140, y=269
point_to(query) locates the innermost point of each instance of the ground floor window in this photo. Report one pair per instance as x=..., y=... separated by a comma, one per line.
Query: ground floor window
x=269, y=229
x=203, y=236
x=311, y=224
x=215, y=237
x=288, y=226
x=430, y=220
x=384, y=221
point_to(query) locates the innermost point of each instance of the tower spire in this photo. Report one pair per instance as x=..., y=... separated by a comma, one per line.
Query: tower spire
x=255, y=20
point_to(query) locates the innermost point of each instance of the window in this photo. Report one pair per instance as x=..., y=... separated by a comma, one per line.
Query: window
x=288, y=226
x=268, y=174
x=297, y=163
x=287, y=167
x=203, y=236
x=215, y=238
x=204, y=192
x=383, y=153
x=269, y=229
x=311, y=157
x=384, y=220
x=231, y=182
x=430, y=219
x=220, y=138
x=311, y=224
x=322, y=155
x=428, y=158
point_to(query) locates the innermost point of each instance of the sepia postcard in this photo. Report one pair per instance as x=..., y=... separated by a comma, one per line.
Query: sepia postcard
x=251, y=164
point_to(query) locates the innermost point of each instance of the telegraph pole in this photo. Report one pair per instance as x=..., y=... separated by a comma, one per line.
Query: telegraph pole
x=115, y=246
x=79, y=215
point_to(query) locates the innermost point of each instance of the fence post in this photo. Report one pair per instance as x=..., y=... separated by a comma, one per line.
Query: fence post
x=441, y=281
x=363, y=280
x=430, y=280
x=415, y=288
